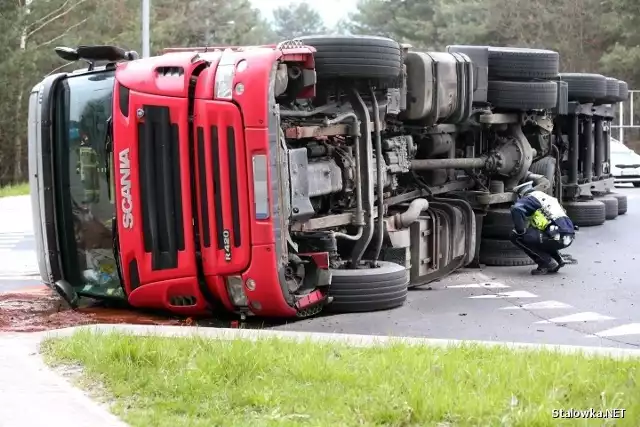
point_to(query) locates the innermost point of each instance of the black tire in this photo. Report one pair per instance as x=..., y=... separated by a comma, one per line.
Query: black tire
x=586, y=213
x=613, y=91
x=372, y=289
x=546, y=167
x=518, y=63
x=610, y=207
x=622, y=202
x=356, y=57
x=636, y=184
x=502, y=253
x=613, y=88
x=585, y=87
x=497, y=224
x=523, y=96
x=623, y=91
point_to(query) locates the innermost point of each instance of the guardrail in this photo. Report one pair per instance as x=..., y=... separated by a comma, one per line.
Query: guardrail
x=627, y=118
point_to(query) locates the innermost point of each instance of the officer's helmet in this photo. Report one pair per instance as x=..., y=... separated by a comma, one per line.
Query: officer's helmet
x=523, y=189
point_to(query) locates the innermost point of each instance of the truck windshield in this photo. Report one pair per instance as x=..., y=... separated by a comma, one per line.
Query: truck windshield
x=85, y=210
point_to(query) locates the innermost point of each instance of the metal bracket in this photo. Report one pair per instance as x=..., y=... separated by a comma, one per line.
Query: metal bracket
x=498, y=119
x=576, y=108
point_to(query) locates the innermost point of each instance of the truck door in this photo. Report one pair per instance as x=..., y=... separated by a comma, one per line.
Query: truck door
x=78, y=107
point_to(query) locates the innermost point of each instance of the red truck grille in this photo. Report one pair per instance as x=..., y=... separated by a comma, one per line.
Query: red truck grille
x=231, y=166
x=223, y=236
x=222, y=188
x=160, y=189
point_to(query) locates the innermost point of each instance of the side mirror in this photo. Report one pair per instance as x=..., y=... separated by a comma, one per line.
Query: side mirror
x=67, y=53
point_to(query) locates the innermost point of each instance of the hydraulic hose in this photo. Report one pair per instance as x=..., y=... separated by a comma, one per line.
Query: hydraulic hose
x=409, y=216
x=379, y=178
x=359, y=215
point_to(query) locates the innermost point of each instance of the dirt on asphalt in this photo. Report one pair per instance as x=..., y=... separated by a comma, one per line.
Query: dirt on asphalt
x=42, y=309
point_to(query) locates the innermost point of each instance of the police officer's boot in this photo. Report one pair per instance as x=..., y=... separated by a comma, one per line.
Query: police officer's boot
x=550, y=268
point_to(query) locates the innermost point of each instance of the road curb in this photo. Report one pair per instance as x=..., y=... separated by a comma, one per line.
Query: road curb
x=349, y=339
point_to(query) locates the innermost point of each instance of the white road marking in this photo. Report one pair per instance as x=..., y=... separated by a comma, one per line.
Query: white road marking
x=18, y=278
x=488, y=285
x=512, y=294
x=542, y=305
x=9, y=241
x=628, y=329
x=578, y=317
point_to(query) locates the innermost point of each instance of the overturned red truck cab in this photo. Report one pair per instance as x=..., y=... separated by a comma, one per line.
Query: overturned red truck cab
x=196, y=142
x=327, y=172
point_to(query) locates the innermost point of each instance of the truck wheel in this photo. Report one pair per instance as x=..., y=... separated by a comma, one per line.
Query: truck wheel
x=502, y=253
x=356, y=57
x=371, y=289
x=546, y=167
x=623, y=91
x=613, y=91
x=610, y=207
x=497, y=224
x=586, y=213
x=519, y=63
x=622, y=202
x=585, y=87
x=522, y=96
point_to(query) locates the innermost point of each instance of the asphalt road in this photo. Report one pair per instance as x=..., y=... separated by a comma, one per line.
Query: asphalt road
x=592, y=303
x=595, y=302
x=18, y=264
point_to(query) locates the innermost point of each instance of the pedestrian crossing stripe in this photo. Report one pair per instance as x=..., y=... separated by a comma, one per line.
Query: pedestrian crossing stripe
x=619, y=331
x=577, y=317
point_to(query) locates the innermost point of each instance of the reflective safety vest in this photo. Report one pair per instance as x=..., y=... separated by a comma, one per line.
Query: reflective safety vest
x=88, y=169
x=551, y=210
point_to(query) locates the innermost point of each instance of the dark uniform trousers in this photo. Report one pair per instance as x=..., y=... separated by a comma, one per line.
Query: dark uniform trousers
x=539, y=246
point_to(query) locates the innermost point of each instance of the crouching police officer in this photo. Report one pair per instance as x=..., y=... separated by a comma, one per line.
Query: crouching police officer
x=541, y=228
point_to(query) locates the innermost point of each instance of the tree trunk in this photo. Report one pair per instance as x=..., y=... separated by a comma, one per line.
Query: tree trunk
x=18, y=142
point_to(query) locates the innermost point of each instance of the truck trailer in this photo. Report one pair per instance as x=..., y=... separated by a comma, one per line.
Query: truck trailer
x=324, y=173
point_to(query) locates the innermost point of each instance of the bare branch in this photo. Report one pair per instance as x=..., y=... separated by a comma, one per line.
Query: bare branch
x=49, y=15
x=63, y=34
x=60, y=15
x=60, y=68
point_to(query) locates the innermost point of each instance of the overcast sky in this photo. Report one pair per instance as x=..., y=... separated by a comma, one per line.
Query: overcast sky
x=330, y=10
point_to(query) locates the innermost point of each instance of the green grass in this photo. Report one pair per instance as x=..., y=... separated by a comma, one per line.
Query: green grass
x=194, y=382
x=15, y=190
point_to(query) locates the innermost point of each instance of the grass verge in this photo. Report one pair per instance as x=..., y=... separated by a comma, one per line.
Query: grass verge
x=194, y=382
x=15, y=190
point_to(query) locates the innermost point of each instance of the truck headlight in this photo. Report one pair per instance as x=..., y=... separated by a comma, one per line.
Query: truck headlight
x=225, y=74
x=224, y=81
x=235, y=287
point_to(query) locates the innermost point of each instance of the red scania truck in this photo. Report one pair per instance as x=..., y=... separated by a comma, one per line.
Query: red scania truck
x=328, y=172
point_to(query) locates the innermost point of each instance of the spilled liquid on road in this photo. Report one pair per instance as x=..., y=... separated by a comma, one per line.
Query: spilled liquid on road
x=42, y=309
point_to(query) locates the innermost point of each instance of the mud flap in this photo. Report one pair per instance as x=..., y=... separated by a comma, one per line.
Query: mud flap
x=450, y=248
